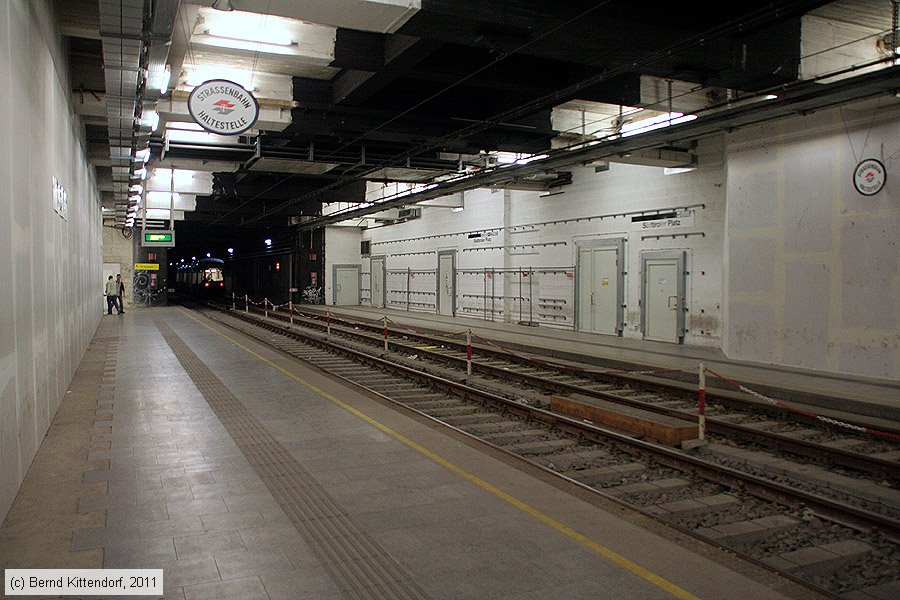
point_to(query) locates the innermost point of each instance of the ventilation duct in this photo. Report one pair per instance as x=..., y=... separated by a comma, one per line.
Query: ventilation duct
x=136, y=35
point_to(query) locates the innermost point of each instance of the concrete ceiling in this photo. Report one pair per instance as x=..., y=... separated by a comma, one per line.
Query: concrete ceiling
x=366, y=89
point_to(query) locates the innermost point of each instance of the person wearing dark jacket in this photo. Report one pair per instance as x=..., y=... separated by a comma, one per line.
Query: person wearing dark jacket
x=120, y=287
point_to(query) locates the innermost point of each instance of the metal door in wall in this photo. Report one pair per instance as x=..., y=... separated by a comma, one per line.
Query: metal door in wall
x=346, y=285
x=662, y=296
x=446, y=282
x=377, y=281
x=600, y=286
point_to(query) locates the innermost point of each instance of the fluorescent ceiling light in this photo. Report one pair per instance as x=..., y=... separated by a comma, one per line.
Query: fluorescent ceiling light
x=182, y=176
x=150, y=119
x=166, y=78
x=249, y=27
x=233, y=44
x=657, y=122
x=677, y=170
x=158, y=79
x=458, y=209
x=519, y=158
x=144, y=155
x=184, y=126
x=530, y=158
x=177, y=135
x=770, y=97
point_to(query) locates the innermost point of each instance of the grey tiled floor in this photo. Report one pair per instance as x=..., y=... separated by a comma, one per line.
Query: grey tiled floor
x=181, y=494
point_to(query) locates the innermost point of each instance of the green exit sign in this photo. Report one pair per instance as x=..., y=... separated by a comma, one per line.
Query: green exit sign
x=159, y=238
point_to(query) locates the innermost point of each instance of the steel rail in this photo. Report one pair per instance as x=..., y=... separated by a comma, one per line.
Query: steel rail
x=727, y=476
x=838, y=456
x=561, y=477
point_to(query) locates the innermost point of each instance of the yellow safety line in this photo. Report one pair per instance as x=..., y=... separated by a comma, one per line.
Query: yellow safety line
x=596, y=547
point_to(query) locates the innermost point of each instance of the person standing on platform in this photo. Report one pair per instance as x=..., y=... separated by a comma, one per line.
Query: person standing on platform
x=111, y=295
x=120, y=287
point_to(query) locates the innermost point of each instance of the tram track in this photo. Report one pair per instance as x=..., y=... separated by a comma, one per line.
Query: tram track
x=728, y=417
x=861, y=479
x=808, y=537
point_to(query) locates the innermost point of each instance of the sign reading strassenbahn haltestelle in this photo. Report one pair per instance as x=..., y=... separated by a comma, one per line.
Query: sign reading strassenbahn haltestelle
x=223, y=107
x=869, y=177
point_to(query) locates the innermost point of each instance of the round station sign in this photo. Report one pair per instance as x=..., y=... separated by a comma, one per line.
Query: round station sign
x=869, y=177
x=223, y=107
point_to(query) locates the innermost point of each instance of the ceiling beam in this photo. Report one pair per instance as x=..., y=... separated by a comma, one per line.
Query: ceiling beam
x=358, y=50
x=801, y=98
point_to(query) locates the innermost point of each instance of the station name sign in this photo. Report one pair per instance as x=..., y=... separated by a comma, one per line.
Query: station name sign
x=159, y=237
x=223, y=107
x=667, y=220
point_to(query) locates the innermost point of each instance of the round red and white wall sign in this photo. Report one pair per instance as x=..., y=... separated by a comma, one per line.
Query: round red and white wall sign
x=869, y=177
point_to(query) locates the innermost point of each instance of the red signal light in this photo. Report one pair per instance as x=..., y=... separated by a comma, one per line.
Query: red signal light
x=205, y=284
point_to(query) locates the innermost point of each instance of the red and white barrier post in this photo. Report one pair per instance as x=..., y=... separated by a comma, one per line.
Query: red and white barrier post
x=468, y=351
x=232, y=300
x=246, y=303
x=328, y=321
x=702, y=393
x=385, y=333
x=291, y=309
x=266, y=307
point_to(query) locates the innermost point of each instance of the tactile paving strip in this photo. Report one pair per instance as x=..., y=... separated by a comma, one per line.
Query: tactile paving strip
x=357, y=564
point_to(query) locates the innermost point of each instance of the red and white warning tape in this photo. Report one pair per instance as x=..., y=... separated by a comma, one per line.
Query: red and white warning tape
x=794, y=409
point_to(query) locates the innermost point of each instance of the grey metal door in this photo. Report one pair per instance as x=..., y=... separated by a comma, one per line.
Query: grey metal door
x=346, y=285
x=663, y=296
x=446, y=282
x=600, y=286
x=377, y=279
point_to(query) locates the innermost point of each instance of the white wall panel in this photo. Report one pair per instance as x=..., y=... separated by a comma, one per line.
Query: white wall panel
x=49, y=266
x=341, y=248
x=529, y=235
x=9, y=446
x=800, y=270
x=812, y=264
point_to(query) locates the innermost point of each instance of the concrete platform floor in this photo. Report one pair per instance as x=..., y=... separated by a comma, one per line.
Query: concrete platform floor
x=243, y=473
x=840, y=395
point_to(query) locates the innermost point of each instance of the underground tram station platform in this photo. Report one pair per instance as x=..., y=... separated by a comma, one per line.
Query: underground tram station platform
x=450, y=299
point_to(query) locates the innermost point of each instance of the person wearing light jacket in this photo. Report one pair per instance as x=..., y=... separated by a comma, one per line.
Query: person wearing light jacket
x=112, y=296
